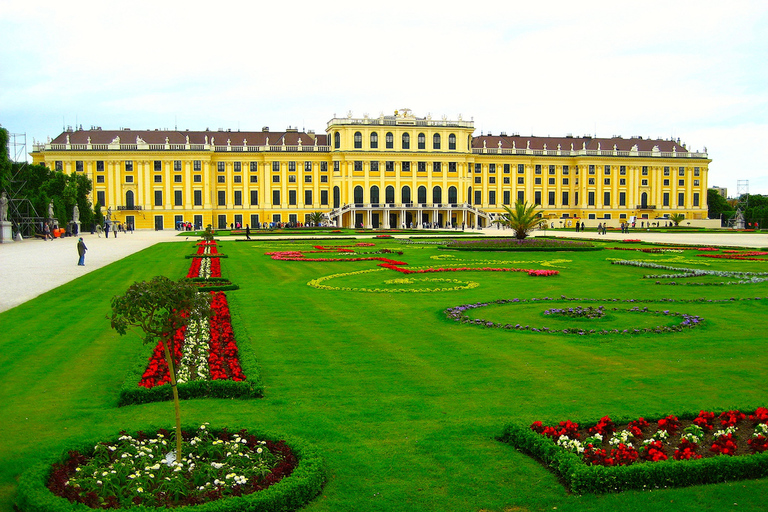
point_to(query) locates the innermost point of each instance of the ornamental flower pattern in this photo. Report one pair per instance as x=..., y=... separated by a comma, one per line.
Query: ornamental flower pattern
x=201, y=351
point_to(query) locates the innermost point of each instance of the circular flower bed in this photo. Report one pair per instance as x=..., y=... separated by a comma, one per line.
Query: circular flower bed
x=461, y=314
x=219, y=470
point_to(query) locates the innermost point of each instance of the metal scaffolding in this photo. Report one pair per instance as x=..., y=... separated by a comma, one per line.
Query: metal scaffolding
x=21, y=212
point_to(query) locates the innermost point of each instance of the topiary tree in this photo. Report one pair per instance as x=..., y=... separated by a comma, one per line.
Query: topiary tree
x=158, y=308
x=522, y=219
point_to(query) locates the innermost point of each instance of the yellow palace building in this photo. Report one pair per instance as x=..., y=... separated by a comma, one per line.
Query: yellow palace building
x=378, y=172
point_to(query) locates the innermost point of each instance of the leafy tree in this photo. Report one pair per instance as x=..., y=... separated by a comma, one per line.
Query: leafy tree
x=98, y=217
x=158, y=308
x=522, y=219
x=677, y=218
x=316, y=218
x=718, y=205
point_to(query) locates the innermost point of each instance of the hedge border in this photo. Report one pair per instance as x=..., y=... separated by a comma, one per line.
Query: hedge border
x=291, y=493
x=133, y=394
x=580, y=477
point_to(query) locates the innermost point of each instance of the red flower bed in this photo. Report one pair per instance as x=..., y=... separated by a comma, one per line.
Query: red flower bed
x=608, y=444
x=194, y=268
x=223, y=360
x=157, y=372
x=740, y=256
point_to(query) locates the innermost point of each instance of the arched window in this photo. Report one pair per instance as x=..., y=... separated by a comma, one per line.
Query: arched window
x=406, y=141
x=374, y=140
x=422, y=141
x=358, y=194
x=390, y=140
x=644, y=200
x=358, y=140
x=453, y=195
x=452, y=141
x=337, y=140
x=406, y=194
x=336, y=197
x=422, y=193
x=374, y=194
x=437, y=195
x=129, y=199
x=389, y=194
x=436, y=141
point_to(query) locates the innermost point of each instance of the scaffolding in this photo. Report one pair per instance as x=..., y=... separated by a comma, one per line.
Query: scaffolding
x=742, y=192
x=21, y=212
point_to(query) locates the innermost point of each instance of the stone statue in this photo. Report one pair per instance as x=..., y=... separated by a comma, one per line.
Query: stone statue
x=3, y=207
x=50, y=210
x=76, y=214
x=109, y=215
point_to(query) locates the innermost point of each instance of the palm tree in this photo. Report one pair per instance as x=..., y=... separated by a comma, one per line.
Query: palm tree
x=316, y=218
x=677, y=218
x=522, y=219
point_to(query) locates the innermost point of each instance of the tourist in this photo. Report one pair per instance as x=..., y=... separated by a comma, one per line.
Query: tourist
x=81, y=248
x=114, y=230
x=600, y=228
x=247, y=232
x=46, y=232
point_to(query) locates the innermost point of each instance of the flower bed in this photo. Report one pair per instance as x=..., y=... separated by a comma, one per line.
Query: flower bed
x=741, y=277
x=668, y=451
x=397, y=265
x=206, y=356
x=527, y=244
x=441, y=285
x=460, y=314
x=221, y=471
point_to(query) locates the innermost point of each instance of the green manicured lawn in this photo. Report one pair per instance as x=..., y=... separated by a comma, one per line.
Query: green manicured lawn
x=404, y=403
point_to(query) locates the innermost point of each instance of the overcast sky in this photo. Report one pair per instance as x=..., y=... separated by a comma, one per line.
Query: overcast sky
x=693, y=70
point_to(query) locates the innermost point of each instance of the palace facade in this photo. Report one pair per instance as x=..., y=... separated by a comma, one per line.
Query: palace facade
x=382, y=172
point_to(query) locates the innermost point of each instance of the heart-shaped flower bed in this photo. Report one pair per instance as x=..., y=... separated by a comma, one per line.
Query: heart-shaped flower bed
x=219, y=470
x=668, y=451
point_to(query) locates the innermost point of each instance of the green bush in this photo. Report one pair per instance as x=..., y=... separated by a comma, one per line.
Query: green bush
x=292, y=492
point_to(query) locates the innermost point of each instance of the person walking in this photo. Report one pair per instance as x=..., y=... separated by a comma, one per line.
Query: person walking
x=114, y=229
x=247, y=232
x=81, y=248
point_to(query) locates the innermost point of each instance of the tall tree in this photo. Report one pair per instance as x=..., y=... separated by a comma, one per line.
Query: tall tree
x=522, y=219
x=158, y=308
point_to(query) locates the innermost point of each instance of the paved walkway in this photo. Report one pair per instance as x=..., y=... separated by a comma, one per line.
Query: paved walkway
x=32, y=267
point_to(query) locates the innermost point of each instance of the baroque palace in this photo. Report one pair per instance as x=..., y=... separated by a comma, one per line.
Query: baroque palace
x=377, y=172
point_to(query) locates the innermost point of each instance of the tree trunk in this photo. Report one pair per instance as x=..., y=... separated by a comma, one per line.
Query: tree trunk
x=172, y=373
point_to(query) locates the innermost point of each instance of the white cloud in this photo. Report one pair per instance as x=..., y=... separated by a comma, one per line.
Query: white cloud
x=687, y=69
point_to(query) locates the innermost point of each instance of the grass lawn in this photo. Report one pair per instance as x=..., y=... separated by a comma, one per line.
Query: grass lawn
x=404, y=403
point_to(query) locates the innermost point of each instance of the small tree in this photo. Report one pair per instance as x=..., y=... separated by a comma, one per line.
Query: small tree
x=158, y=308
x=677, y=218
x=522, y=219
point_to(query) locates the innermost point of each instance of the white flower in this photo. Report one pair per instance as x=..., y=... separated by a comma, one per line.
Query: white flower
x=139, y=489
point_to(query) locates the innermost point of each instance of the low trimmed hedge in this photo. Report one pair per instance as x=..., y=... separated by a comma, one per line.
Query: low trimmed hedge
x=291, y=493
x=580, y=477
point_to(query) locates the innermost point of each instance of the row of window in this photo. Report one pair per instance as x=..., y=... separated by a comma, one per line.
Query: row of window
x=389, y=141
x=389, y=166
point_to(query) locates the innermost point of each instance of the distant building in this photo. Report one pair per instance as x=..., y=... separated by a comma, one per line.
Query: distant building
x=378, y=172
x=720, y=190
